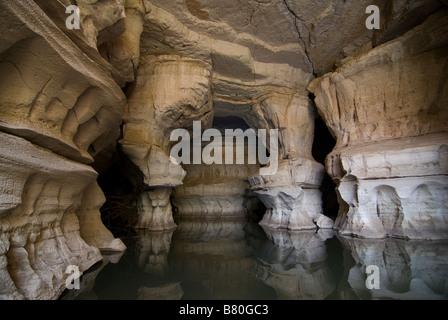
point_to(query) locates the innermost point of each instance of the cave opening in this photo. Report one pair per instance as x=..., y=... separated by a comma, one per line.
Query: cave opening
x=254, y=206
x=121, y=182
x=323, y=144
x=220, y=190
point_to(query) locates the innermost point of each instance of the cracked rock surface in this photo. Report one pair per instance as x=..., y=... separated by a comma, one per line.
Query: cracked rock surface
x=72, y=99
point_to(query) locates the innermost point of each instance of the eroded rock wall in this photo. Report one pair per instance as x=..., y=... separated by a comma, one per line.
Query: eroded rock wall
x=387, y=110
x=60, y=105
x=255, y=76
x=190, y=68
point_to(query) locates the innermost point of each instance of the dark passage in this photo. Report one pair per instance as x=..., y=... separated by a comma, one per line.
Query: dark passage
x=322, y=146
x=121, y=183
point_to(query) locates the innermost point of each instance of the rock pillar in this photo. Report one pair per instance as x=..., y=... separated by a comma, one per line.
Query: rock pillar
x=171, y=92
x=387, y=110
x=291, y=195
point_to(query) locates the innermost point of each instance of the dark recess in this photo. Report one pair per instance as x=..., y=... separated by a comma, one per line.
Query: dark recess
x=121, y=186
x=323, y=144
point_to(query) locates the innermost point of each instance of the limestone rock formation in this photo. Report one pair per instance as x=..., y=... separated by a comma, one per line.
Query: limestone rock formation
x=92, y=229
x=253, y=72
x=135, y=70
x=390, y=160
x=40, y=227
x=218, y=190
x=60, y=105
x=73, y=108
x=154, y=210
x=171, y=92
x=211, y=200
x=123, y=52
x=291, y=196
x=100, y=28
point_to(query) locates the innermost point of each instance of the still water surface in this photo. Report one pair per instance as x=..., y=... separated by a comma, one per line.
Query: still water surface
x=241, y=260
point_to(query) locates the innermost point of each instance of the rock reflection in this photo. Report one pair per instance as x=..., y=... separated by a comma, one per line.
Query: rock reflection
x=172, y=291
x=213, y=260
x=87, y=280
x=294, y=263
x=237, y=260
x=407, y=269
x=152, y=252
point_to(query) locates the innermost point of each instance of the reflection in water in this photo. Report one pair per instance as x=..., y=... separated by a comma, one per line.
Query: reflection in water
x=295, y=264
x=214, y=259
x=240, y=260
x=152, y=252
x=87, y=281
x=407, y=269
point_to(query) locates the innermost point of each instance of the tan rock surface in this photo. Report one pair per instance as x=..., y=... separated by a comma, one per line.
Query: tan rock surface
x=171, y=92
x=40, y=230
x=291, y=195
x=63, y=101
x=386, y=108
x=382, y=94
x=60, y=105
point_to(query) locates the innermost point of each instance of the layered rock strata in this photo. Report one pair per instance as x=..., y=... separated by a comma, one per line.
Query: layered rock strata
x=170, y=92
x=390, y=160
x=61, y=102
x=218, y=190
x=291, y=194
x=256, y=77
x=49, y=220
x=60, y=106
x=212, y=198
x=73, y=108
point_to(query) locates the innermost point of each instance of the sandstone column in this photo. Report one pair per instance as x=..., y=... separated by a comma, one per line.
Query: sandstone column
x=171, y=92
x=291, y=195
